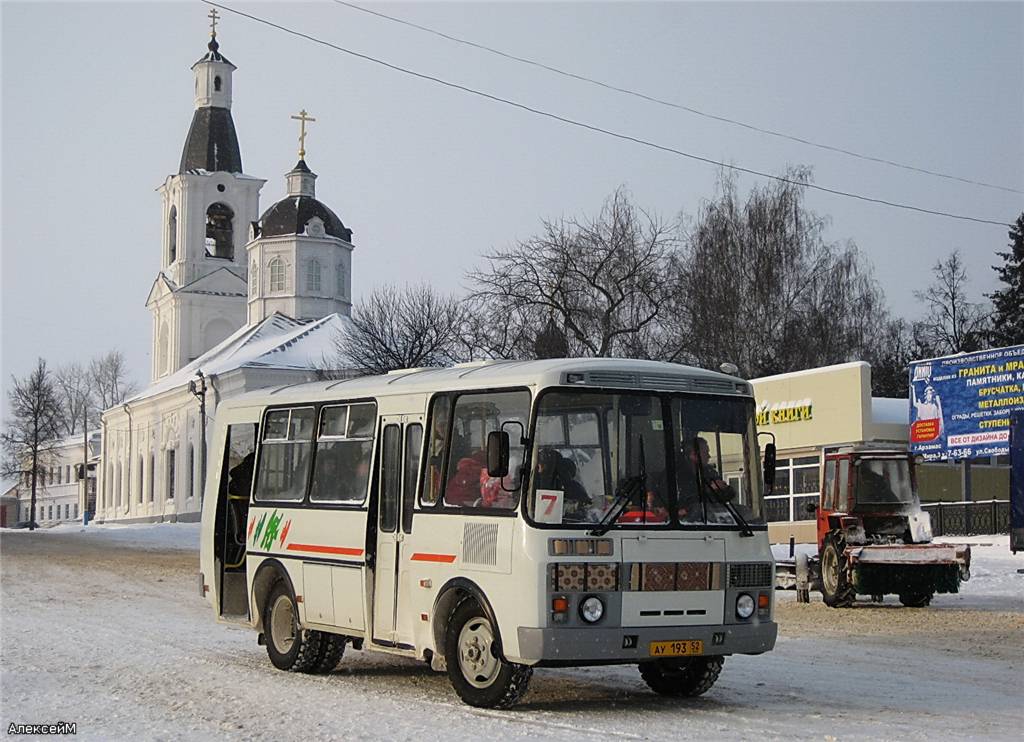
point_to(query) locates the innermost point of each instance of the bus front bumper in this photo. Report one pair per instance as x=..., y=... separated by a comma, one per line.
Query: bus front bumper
x=593, y=645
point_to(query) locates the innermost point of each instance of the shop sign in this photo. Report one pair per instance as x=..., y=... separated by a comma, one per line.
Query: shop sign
x=784, y=412
x=960, y=406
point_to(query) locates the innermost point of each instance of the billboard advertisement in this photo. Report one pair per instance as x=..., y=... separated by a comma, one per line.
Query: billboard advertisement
x=960, y=406
x=1017, y=483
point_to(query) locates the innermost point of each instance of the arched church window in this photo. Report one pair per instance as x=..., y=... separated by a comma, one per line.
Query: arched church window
x=278, y=275
x=254, y=279
x=216, y=83
x=172, y=236
x=342, y=286
x=163, y=351
x=313, y=276
x=220, y=237
x=139, y=479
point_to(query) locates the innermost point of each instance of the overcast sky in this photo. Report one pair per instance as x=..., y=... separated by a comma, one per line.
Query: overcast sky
x=97, y=99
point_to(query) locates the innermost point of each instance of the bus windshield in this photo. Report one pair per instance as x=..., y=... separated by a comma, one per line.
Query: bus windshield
x=644, y=459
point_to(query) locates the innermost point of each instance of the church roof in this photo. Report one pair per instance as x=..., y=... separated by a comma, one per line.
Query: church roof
x=211, y=144
x=278, y=342
x=290, y=215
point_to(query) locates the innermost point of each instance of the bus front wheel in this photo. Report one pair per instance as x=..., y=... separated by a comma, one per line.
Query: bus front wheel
x=480, y=675
x=289, y=645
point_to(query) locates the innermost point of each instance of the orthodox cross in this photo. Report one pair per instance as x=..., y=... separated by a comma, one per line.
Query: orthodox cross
x=302, y=118
x=213, y=22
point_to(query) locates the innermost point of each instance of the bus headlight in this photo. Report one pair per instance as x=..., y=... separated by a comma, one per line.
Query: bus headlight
x=745, y=606
x=591, y=609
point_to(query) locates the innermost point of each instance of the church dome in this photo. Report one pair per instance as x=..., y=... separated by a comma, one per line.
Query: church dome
x=294, y=213
x=290, y=215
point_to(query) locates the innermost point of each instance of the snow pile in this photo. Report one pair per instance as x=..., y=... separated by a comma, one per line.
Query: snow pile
x=184, y=536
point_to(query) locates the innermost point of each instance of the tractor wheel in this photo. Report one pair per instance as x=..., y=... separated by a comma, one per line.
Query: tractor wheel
x=682, y=678
x=836, y=590
x=915, y=600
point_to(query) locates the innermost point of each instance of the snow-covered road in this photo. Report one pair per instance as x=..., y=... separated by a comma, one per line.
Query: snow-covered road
x=103, y=626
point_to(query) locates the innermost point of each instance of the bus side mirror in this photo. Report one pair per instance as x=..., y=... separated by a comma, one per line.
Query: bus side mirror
x=769, y=468
x=811, y=508
x=497, y=453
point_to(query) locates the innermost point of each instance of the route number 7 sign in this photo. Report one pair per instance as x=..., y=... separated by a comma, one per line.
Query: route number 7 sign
x=549, y=506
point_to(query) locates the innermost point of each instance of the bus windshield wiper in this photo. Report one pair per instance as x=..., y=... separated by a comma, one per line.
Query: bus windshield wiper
x=624, y=495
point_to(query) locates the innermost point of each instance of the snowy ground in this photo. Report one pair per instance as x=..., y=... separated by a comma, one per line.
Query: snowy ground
x=103, y=626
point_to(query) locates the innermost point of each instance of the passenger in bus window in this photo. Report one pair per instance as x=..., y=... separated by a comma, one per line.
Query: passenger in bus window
x=240, y=476
x=697, y=457
x=463, y=488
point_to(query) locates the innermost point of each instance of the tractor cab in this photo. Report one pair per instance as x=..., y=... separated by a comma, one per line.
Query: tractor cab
x=873, y=493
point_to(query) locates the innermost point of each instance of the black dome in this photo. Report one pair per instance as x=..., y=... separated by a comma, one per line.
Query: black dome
x=289, y=216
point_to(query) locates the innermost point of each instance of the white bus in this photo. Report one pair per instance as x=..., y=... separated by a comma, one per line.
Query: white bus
x=495, y=517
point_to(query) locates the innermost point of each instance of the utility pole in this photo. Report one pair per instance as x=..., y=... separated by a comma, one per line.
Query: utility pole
x=198, y=388
x=83, y=499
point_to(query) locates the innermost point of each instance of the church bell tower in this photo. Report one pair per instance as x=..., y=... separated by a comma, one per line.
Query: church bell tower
x=199, y=297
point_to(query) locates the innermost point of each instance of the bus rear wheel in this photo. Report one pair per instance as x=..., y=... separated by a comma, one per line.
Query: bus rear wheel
x=289, y=646
x=682, y=678
x=480, y=675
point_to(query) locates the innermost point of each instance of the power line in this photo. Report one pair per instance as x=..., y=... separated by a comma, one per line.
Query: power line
x=679, y=106
x=600, y=130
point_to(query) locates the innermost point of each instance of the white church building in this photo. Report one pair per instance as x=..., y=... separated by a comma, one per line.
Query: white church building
x=241, y=301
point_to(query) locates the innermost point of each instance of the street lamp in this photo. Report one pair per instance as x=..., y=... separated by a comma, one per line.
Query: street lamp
x=197, y=387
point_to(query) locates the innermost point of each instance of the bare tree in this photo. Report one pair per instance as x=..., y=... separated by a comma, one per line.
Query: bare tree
x=757, y=284
x=396, y=328
x=110, y=380
x=953, y=323
x=599, y=280
x=33, y=429
x=74, y=386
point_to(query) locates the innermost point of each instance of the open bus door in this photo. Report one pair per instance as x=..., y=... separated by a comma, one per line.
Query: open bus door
x=233, y=492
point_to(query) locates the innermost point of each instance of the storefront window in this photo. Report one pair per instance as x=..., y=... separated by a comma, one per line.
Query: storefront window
x=797, y=482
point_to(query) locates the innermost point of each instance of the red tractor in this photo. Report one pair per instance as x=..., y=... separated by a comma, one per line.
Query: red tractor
x=873, y=537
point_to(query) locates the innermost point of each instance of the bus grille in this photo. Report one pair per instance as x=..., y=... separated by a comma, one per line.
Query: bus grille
x=480, y=543
x=758, y=574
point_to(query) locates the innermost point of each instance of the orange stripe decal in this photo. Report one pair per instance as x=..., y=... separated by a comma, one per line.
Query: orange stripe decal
x=442, y=558
x=317, y=549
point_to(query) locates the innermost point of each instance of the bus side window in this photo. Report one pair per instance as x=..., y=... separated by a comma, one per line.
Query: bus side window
x=437, y=444
x=344, y=446
x=285, y=453
x=391, y=477
x=474, y=417
x=413, y=446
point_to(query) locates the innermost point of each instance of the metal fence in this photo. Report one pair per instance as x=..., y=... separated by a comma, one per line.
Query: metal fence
x=989, y=517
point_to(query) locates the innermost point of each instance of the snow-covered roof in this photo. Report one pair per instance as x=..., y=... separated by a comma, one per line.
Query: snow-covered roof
x=76, y=440
x=278, y=342
x=887, y=411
